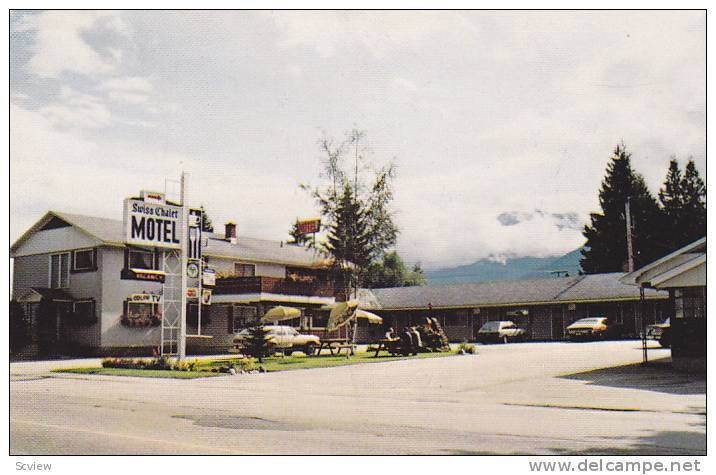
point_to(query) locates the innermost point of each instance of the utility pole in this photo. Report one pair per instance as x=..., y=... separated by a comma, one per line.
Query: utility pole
x=630, y=250
x=184, y=261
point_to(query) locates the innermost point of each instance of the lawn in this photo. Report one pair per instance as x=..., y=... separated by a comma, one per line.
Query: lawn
x=204, y=367
x=142, y=373
x=303, y=362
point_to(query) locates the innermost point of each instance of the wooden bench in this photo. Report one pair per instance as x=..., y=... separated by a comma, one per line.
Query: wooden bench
x=331, y=344
x=387, y=344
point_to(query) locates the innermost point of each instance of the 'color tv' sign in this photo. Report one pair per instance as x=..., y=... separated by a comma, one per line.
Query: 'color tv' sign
x=152, y=224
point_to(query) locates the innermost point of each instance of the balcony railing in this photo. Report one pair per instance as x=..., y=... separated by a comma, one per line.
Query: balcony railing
x=272, y=285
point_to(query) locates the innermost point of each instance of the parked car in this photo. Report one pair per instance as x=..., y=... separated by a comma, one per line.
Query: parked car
x=500, y=331
x=594, y=328
x=283, y=338
x=660, y=332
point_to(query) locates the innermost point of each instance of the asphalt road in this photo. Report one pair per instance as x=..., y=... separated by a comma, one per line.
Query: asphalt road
x=530, y=398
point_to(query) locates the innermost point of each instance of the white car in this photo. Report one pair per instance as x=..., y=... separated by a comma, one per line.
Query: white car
x=284, y=338
x=500, y=331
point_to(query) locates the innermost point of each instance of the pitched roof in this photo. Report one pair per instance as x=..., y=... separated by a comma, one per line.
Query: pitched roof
x=262, y=250
x=602, y=287
x=594, y=287
x=676, y=258
x=111, y=231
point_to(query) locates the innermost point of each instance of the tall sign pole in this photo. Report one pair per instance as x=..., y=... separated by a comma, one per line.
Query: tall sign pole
x=184, y=261
x=630, y=250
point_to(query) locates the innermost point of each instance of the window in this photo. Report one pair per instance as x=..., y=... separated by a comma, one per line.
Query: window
x=141, y=313
x=141, y=259
x=242, y=315
x=690, y=302
x=60, y=270
x=84, y=260
x=244, y=270
x=140, y=310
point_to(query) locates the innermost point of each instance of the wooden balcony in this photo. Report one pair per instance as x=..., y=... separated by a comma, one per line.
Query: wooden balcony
x=272, y=285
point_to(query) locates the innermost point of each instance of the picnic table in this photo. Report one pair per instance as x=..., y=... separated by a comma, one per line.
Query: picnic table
x=336, y=344
x=387, y=344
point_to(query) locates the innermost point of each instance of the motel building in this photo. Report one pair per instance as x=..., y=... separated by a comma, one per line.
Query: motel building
x=84, y=291
x=683, y=275
x=544, y=307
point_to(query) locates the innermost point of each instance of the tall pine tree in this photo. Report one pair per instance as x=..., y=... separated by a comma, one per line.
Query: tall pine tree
x=683, y=201
x=606, y=246
x=694, y=205
x=349, y=242
x=671, y=197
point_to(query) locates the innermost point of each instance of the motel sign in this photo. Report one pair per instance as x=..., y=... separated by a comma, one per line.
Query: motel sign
x=152, y=224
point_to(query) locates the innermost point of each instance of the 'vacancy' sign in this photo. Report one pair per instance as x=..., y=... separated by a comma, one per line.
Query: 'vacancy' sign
x=152, y=224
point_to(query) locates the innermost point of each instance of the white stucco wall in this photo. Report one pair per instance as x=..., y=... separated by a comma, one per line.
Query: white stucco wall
x=114, y=292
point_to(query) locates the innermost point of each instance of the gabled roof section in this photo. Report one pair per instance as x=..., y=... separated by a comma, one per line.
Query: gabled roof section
x=111, y=232
x=108, y=231
x=676, y=258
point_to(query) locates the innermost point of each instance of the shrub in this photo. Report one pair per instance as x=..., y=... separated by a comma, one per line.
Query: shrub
x=256, y=343
x=467, y=348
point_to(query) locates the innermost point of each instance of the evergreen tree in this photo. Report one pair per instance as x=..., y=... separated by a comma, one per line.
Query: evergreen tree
x=392, y=272
x=606, y=247
x=348, y=241
x=693, y=220
x=671, y=197
x=416, y=277
x=256, y=344
x=206, y=224
x=354, y=201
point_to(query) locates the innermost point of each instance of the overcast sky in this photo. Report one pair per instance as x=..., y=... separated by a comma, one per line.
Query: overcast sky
x=501, y=123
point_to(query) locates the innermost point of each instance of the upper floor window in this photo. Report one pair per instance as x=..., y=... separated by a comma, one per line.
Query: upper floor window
x=84, y=260
x=244, y=270
x=241, y=317
x=142, y=259
x=60, y=270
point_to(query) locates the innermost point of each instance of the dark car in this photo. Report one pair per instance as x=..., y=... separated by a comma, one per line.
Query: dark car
x=660, y=332
x=594, y=328
x=500, y=331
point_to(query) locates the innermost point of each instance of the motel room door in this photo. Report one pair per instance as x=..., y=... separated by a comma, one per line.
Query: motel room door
x=541, y=323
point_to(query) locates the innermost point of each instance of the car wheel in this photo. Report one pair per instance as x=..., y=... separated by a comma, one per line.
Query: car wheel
x=664, y=342
x=309, y=349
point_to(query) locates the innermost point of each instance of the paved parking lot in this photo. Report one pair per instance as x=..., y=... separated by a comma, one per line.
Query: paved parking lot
x=531, y=398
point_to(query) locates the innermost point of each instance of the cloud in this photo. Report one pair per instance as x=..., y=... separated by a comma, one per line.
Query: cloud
x=569, y=220
x=76, y=110
x=59, y=43
x=329, y=32
x=403, y=84
x=134, y=84
x=63, y=169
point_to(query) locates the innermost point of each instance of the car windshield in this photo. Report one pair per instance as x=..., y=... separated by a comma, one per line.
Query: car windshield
x=509, y=325
x=490, y=326
x=292, y=331
x=667, y=321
